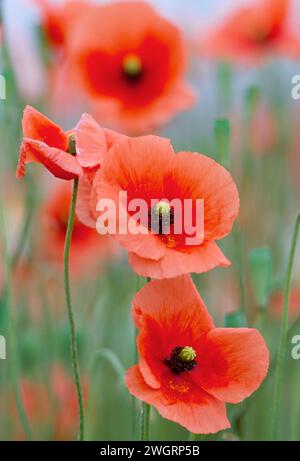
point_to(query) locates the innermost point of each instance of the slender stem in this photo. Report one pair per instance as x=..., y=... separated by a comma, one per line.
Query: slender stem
x=73, y=343
x=135, y=360
x=238, y=241
x=279, y=375
x=13, y=349
x=145, y=422
x=145, y=414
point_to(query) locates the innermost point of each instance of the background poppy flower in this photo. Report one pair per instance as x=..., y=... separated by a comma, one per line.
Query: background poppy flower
x=254, y=30
x=45, y=142
x=88, y=249
x=57, y=19
x=55, y=414
x=147, y=168
x=130, y=62
x=188, y=368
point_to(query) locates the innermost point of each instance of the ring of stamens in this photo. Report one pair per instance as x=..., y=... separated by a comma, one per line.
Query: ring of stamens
x=181, y=359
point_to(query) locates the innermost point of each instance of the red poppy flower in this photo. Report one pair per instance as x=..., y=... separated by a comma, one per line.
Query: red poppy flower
x=130, y=62
x=67, y=155
x=188, y=368
x=45, y=142
x=88, y=249
x=254, y=30
x=147, y=168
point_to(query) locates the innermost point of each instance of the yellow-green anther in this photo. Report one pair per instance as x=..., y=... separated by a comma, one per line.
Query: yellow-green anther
x=187, y=354
x=132, y=65
x=163, y=208
x=72, y=144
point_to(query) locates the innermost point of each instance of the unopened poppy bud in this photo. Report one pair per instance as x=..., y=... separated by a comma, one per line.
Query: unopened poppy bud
x=132, y=65
x=187, y=354
x=260, y=264
x=72, y=144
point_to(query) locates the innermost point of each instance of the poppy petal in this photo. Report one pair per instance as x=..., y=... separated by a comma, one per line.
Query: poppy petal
x=83, y=204
x=233, y=363
x=200, y=414
x=168, y=298
x=91, y=144
x=147, y=244
x=37, y=126
x=200, y=177
x=61, y=164
x=130, y=164
x=175, y=263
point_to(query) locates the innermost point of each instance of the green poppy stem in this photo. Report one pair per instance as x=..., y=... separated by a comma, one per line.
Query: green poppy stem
x=145, y=414
x=279, y=374
x=73, y=343
x=145, y=422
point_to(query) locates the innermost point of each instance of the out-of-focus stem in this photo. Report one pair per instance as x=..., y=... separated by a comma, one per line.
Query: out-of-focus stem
x=29, y=210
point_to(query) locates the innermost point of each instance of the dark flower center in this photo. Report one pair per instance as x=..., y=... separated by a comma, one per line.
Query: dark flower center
x=181, y=359
x=160, y=218
x=132, y=67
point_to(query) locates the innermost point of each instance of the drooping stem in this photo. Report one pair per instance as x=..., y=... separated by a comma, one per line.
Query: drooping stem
x=145, y=422
x=73, y=342
x=279, y=374
x=13, y=355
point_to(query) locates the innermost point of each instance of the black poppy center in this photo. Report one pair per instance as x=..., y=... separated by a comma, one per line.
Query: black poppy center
x=181, y=359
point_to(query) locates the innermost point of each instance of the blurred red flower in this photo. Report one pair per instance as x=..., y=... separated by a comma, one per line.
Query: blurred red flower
x=129, y=62
x=188, y=368
x=59, y=18
x=88, y=250
x=277, y=301
x=52, y=412
x=254, y=30
x=147, y=168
